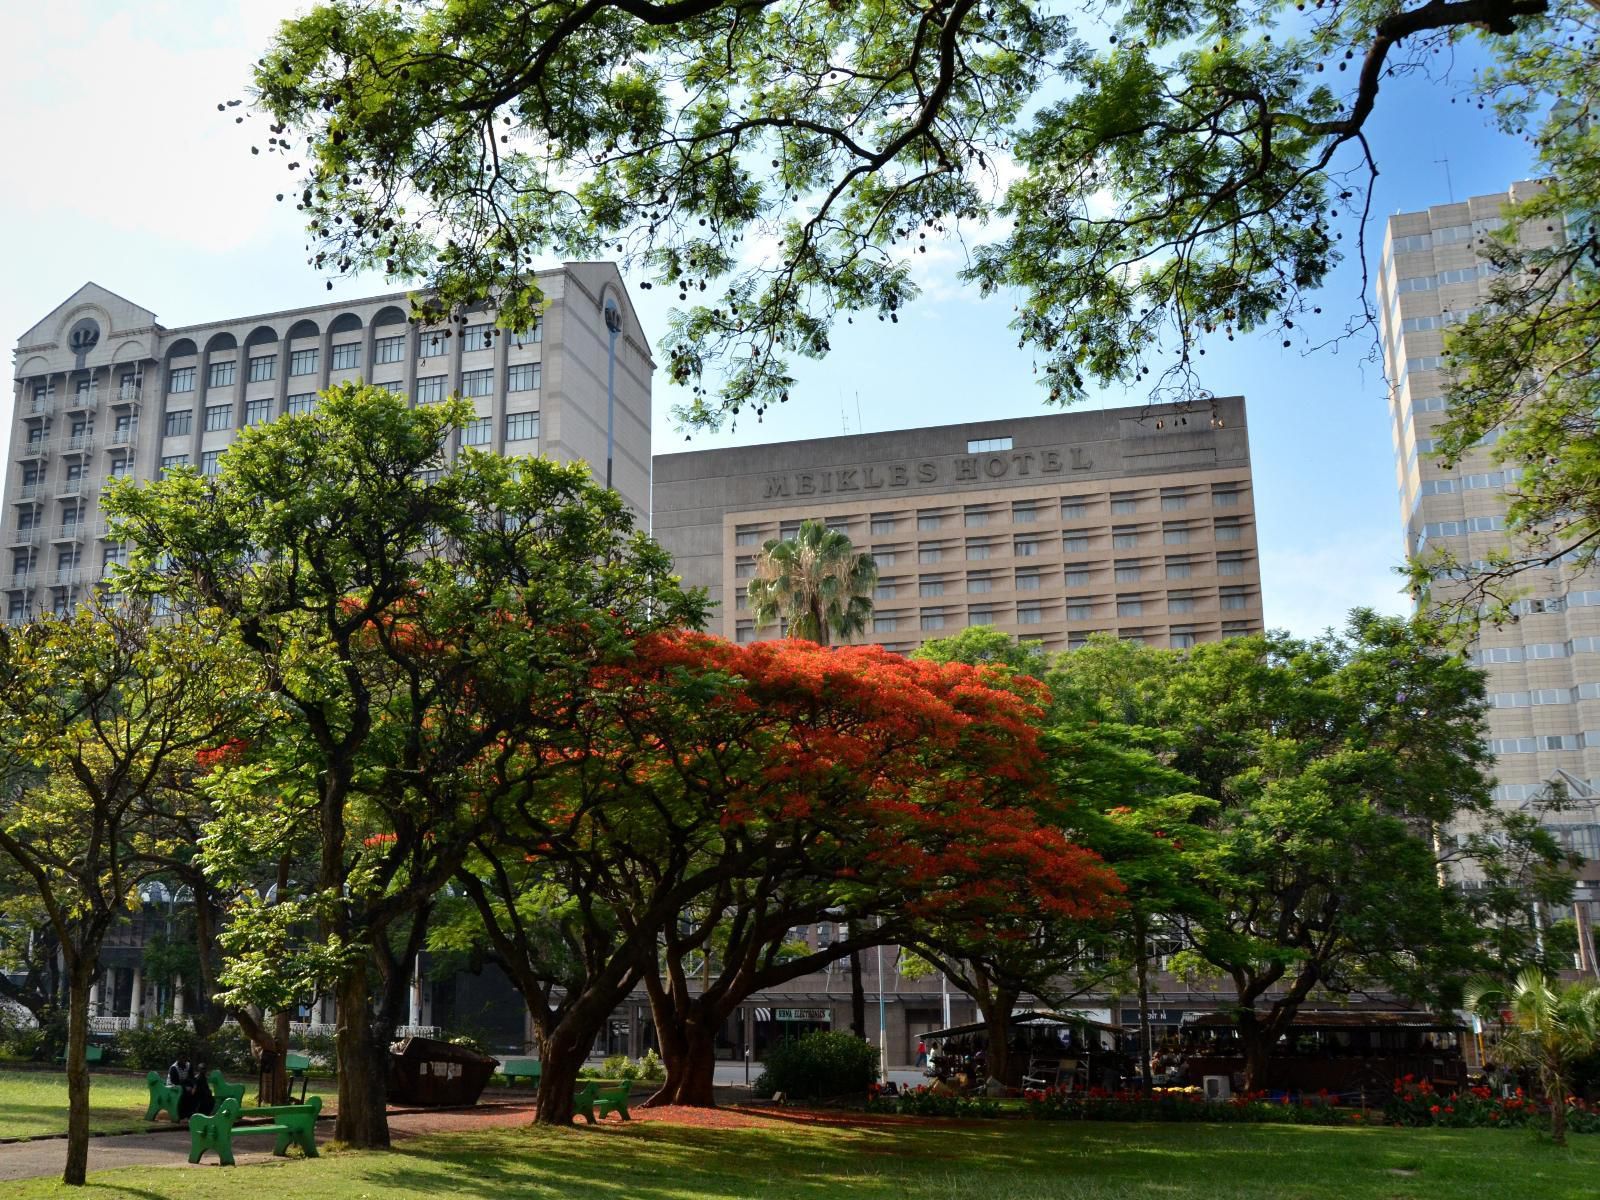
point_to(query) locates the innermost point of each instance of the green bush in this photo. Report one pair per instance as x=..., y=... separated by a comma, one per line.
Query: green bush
x=819, y=1066
x=42, y=1042
x=156, y=1044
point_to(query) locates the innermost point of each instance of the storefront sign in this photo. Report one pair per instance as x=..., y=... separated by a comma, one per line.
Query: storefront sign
x=824, y=1015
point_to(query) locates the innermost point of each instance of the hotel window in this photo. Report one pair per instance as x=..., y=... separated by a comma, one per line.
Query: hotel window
x=171, y=462
x=1077, y=579
x=477, y=432
x=988, y=445
x=980, y=583
x=882, y=523
x=885, y=624
x=477, y=383
x=1073, y=508
x=1130, y=606
x=744, y=568
x=932, y=620
x=263, y=367
x=1225, y=496
x=211, y=463
x=1025, y=548
x=302, y=403
x=1028, y=581
x=929, y=520
x=1124, y=537
x=1174, y=500
x=980, y=616
x=746, y=632
x=747, y=536
x=1179, y=568
x=1174, y=535
x=430, y=389
x=1233, y=598
x=1075, y=545
x=1228, y=531
x=477, y=337
x=975, y=517
x=1180, y=604
x=1029, y=614
x=178, y=423
x=788, y=530
x=389, y=349
x=976, y=550
x=303, y=362
x=432, y=344
x=1123, y=503
x=885, y=558
x=395, y=387
x=121, y=468
x=1181, y=639
x=1231, y=562
x=930, y=587
x=181, y=380
x=1128, y=571
x=930, y=554
x=1079, y=612
x=529, y=337
x=257, y=412
x=523, y=377
x=741, y=599
x=1024, y=514
x=346, y=356
x=220, y=374
x=1235, y=628
x=884, y=591
x=17, y=609
x=522, y=427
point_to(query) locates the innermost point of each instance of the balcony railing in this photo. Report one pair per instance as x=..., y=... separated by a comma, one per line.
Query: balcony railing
x=23, y=579
x=24, y=537
x=72, y=487
x=73, y=531
x=122, y=437
x=40, y=407
x=82, y=400
x=35, y=448
x=109, y=1024
x=80, y=441
x=128, y=395
x=30, y=491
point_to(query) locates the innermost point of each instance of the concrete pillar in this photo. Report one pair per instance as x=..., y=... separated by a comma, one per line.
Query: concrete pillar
x=414, y=1014
x=94, y=997
x=177, y=995
x=136, y=997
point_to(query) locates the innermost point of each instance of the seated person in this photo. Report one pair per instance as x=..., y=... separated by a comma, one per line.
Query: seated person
x=181, y=1075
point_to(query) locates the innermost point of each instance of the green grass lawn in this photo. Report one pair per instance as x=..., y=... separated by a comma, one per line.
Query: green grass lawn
x=1008, y=1160
x=34, y=1103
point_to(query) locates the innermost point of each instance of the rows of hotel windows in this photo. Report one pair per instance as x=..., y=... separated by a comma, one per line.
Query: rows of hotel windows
x=952, y=620
x=1545, y=742
x=1538, y=697
x=1088, y=542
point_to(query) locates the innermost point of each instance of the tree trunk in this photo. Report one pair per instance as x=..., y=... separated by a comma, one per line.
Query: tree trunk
x=693, y=1081
x=1143, y=960
x=1555, y=1089
x=1255, y=1043
x=858, y=997
x=80, y=980
x=561, y=1057
x=996, y=1008
x=363, y=1120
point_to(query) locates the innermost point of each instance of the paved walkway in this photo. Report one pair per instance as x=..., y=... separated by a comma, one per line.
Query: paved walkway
x=45, y=1156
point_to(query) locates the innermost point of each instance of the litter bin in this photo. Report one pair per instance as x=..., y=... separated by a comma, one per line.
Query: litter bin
x=433, y=1074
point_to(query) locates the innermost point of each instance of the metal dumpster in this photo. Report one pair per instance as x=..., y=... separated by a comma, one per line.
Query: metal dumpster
x=431, y=1074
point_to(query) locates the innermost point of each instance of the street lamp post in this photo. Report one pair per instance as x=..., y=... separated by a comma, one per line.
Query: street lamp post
x=613, y=328
x=883, y=1025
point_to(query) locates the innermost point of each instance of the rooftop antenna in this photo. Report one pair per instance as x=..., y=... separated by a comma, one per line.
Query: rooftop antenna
x=858, y=412
x=1450, y=189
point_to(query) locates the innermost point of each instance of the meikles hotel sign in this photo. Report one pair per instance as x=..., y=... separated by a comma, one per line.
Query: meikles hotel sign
x=926, y=472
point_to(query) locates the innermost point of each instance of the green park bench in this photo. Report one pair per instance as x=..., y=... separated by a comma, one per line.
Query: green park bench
x=92, y=1055
x=164, y=1096
x=588, y=1099
x=291, y=1124
x=297, y=1067
x=523, y=1068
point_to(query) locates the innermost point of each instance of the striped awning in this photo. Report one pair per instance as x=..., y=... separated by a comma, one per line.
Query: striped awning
x=763, y=1014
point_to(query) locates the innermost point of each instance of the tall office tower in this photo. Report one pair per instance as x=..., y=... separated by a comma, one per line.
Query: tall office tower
x=1134, y=521
x=1544, y=669
x=103, y=391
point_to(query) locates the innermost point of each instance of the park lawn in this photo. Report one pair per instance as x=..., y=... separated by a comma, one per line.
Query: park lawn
x=1009, y=1160
x=34, y=1103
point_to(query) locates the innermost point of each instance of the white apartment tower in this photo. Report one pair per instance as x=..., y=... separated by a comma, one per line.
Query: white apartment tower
x=1544, y=669
x=103, y=391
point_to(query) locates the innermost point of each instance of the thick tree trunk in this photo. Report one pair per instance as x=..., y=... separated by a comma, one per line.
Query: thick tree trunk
x=1144, y=1012
x=693, y=1083
x=1555, y=1089
x=80, y=980
x=996, y=1009
x=561, y=1057
x=858, y=997
x=1255, y=1042
x=363, y=1120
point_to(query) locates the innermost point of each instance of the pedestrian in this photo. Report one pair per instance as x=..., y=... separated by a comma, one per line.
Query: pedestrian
x=922, y=1053
x=181, y=1076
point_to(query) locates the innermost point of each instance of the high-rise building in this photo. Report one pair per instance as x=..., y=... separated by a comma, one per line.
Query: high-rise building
x=1544, y=668
x=105, y=391
x=1139, y=522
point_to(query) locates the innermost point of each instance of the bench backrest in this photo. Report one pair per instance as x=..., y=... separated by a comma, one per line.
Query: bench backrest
x=296, y=1062
x=620, y=1092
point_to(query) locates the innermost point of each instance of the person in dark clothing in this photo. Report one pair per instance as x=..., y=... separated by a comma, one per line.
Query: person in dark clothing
x=183, y=1076
x=204, y=1101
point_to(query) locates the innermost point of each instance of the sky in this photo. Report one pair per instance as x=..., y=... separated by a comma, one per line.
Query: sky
x=118, y=168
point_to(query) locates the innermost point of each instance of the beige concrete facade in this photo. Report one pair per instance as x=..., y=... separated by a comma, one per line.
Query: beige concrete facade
x=1544, y=669
x=103, y=390
x=1135, y=522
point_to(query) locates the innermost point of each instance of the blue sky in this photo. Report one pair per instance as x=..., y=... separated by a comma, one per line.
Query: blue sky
x=119, y=168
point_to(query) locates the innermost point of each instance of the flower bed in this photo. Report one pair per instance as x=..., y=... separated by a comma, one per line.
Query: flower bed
x=1184, y=1104
x=925, y=1102
x=1416, y=1102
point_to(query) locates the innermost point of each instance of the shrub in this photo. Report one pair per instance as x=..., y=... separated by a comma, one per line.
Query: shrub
x=925, y=1102
x=156, y=1044
x=819, y=1066
x=43, y=1041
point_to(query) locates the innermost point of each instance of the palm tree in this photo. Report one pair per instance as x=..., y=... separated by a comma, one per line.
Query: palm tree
x=816, y=582
x=1548, y=1025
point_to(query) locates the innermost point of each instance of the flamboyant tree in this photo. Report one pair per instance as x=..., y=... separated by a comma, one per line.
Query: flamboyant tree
x=420, y=620
x=100, y=718
x=849, y=777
